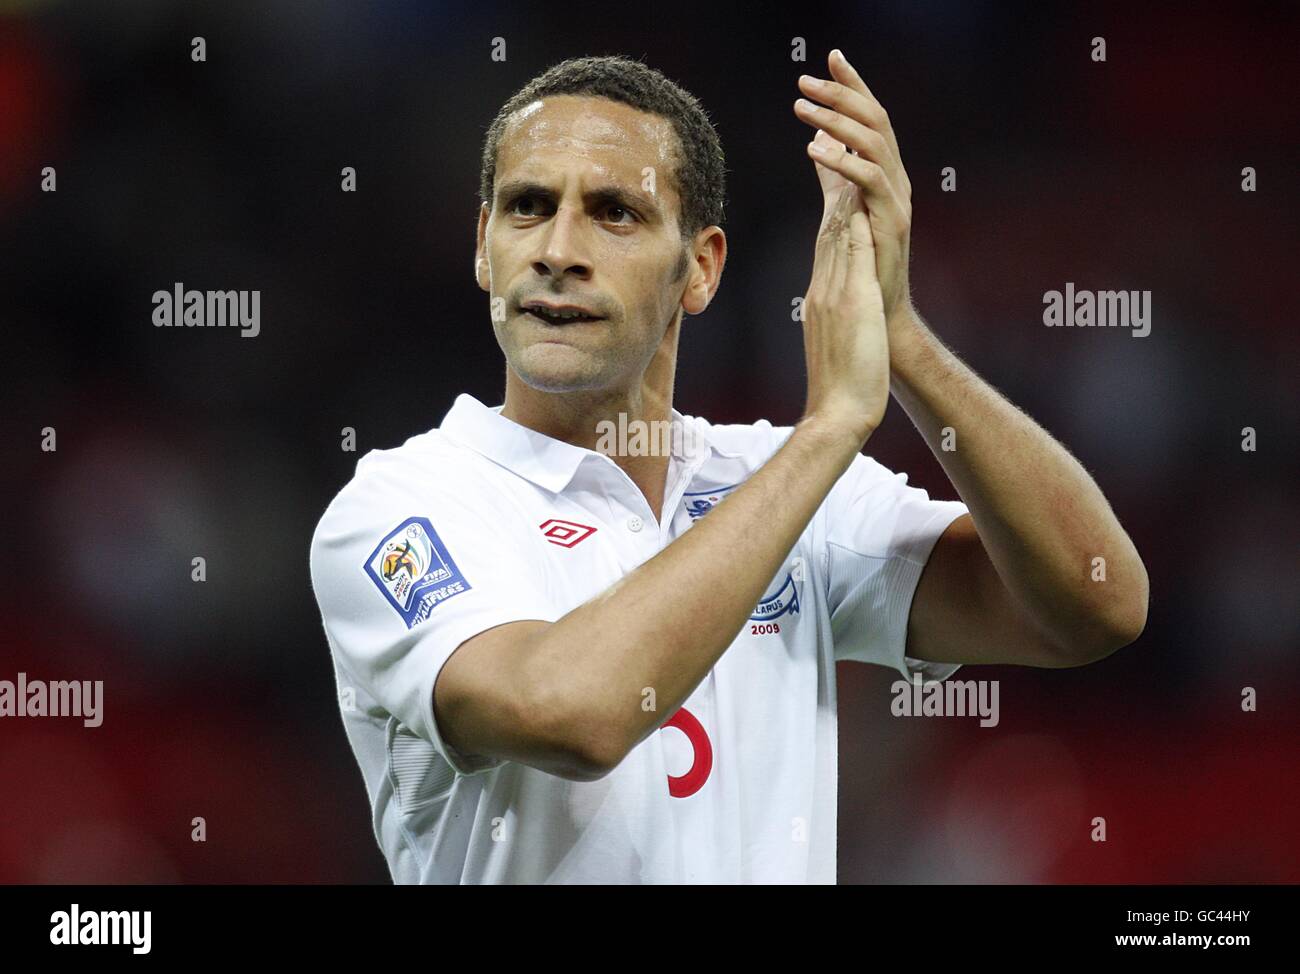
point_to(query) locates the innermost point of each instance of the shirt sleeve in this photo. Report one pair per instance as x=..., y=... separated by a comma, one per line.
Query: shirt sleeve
x=879, y=534
x=403, y=577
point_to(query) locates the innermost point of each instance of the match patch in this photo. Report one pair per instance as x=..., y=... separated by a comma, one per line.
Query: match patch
x=414, y=570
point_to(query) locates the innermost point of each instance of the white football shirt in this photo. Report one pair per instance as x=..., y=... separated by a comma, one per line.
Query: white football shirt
x=481, y=522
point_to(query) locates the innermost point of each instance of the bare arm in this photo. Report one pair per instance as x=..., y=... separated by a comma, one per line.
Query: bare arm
x=1017, y=580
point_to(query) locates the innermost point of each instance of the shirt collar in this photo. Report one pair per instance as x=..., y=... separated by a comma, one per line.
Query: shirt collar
x=548, y=462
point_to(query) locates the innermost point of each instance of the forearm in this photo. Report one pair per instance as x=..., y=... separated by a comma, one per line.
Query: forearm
x=664, y=625
x=1040, y=516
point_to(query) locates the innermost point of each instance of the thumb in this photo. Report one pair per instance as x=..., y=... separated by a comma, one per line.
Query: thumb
x=831, y=180
x=835, y=188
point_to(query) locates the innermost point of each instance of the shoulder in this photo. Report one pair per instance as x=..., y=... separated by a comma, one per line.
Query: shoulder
x=429, y=473
x=755, y=441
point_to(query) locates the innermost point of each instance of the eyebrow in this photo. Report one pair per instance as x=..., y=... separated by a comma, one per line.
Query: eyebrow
x=597, y=197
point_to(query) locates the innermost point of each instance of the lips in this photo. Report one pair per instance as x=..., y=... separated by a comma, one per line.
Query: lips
x=560, y=314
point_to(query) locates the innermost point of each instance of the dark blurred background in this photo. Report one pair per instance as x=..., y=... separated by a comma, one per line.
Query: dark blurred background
x=219, y=699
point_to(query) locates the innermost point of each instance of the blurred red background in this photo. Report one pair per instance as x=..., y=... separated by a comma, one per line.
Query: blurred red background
x=219, y=699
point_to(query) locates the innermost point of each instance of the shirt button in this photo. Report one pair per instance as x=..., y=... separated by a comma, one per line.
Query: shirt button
x=634, y=523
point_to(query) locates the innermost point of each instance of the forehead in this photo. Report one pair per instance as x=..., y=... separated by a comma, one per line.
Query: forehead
x=615, y=138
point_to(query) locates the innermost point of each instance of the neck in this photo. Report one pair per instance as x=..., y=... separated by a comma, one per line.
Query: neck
x=584, y=418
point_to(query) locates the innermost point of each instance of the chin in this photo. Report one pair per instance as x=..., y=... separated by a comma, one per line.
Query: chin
x=559, y=368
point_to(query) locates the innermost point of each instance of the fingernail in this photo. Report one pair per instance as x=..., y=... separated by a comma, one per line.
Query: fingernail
x=815, y=149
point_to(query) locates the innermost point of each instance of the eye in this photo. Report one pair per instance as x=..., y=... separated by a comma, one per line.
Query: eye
x=620, y=209
x=513, y=205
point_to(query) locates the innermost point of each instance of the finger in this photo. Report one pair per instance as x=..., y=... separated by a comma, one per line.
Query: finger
x=829, y=232
x=823, y=254
x=821, y=262
x=879, y=194
x=867, y=141
x=848, y=101
x=862, y=254
x=831, y=181
x=844, y=115
x=873, y=112
x=864, y=295
x=840, y=267
x=849, y=95
x=828, y=253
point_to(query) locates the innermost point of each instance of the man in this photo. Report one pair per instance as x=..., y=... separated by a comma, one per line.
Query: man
x=564, y=662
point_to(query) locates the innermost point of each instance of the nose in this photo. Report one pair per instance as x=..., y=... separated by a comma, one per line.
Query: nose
x=564, y=246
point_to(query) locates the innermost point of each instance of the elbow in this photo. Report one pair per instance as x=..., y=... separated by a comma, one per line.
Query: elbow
x=1115, y=635
x=1130, y=621
x=1118, y=623
x=579, y=741
x=588, y=750
x=593, y=757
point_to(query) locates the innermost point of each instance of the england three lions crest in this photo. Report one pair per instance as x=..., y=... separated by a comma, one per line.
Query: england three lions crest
x=700, y=502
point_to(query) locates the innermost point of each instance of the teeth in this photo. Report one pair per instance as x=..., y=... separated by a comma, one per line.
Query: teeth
x=560, y=315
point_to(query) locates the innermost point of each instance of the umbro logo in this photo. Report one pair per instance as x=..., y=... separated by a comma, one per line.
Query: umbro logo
x=566, y=534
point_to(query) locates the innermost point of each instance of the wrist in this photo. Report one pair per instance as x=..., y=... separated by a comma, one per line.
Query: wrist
x=902, y=318
x=840, y=435
x=907, y=343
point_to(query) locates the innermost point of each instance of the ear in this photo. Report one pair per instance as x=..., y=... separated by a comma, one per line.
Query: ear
x=482, y=270
x=707, y=258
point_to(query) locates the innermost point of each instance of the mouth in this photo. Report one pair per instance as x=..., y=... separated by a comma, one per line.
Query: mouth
x=560, y=314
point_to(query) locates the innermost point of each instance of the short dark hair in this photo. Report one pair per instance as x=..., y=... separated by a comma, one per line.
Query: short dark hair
x=700, y=174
